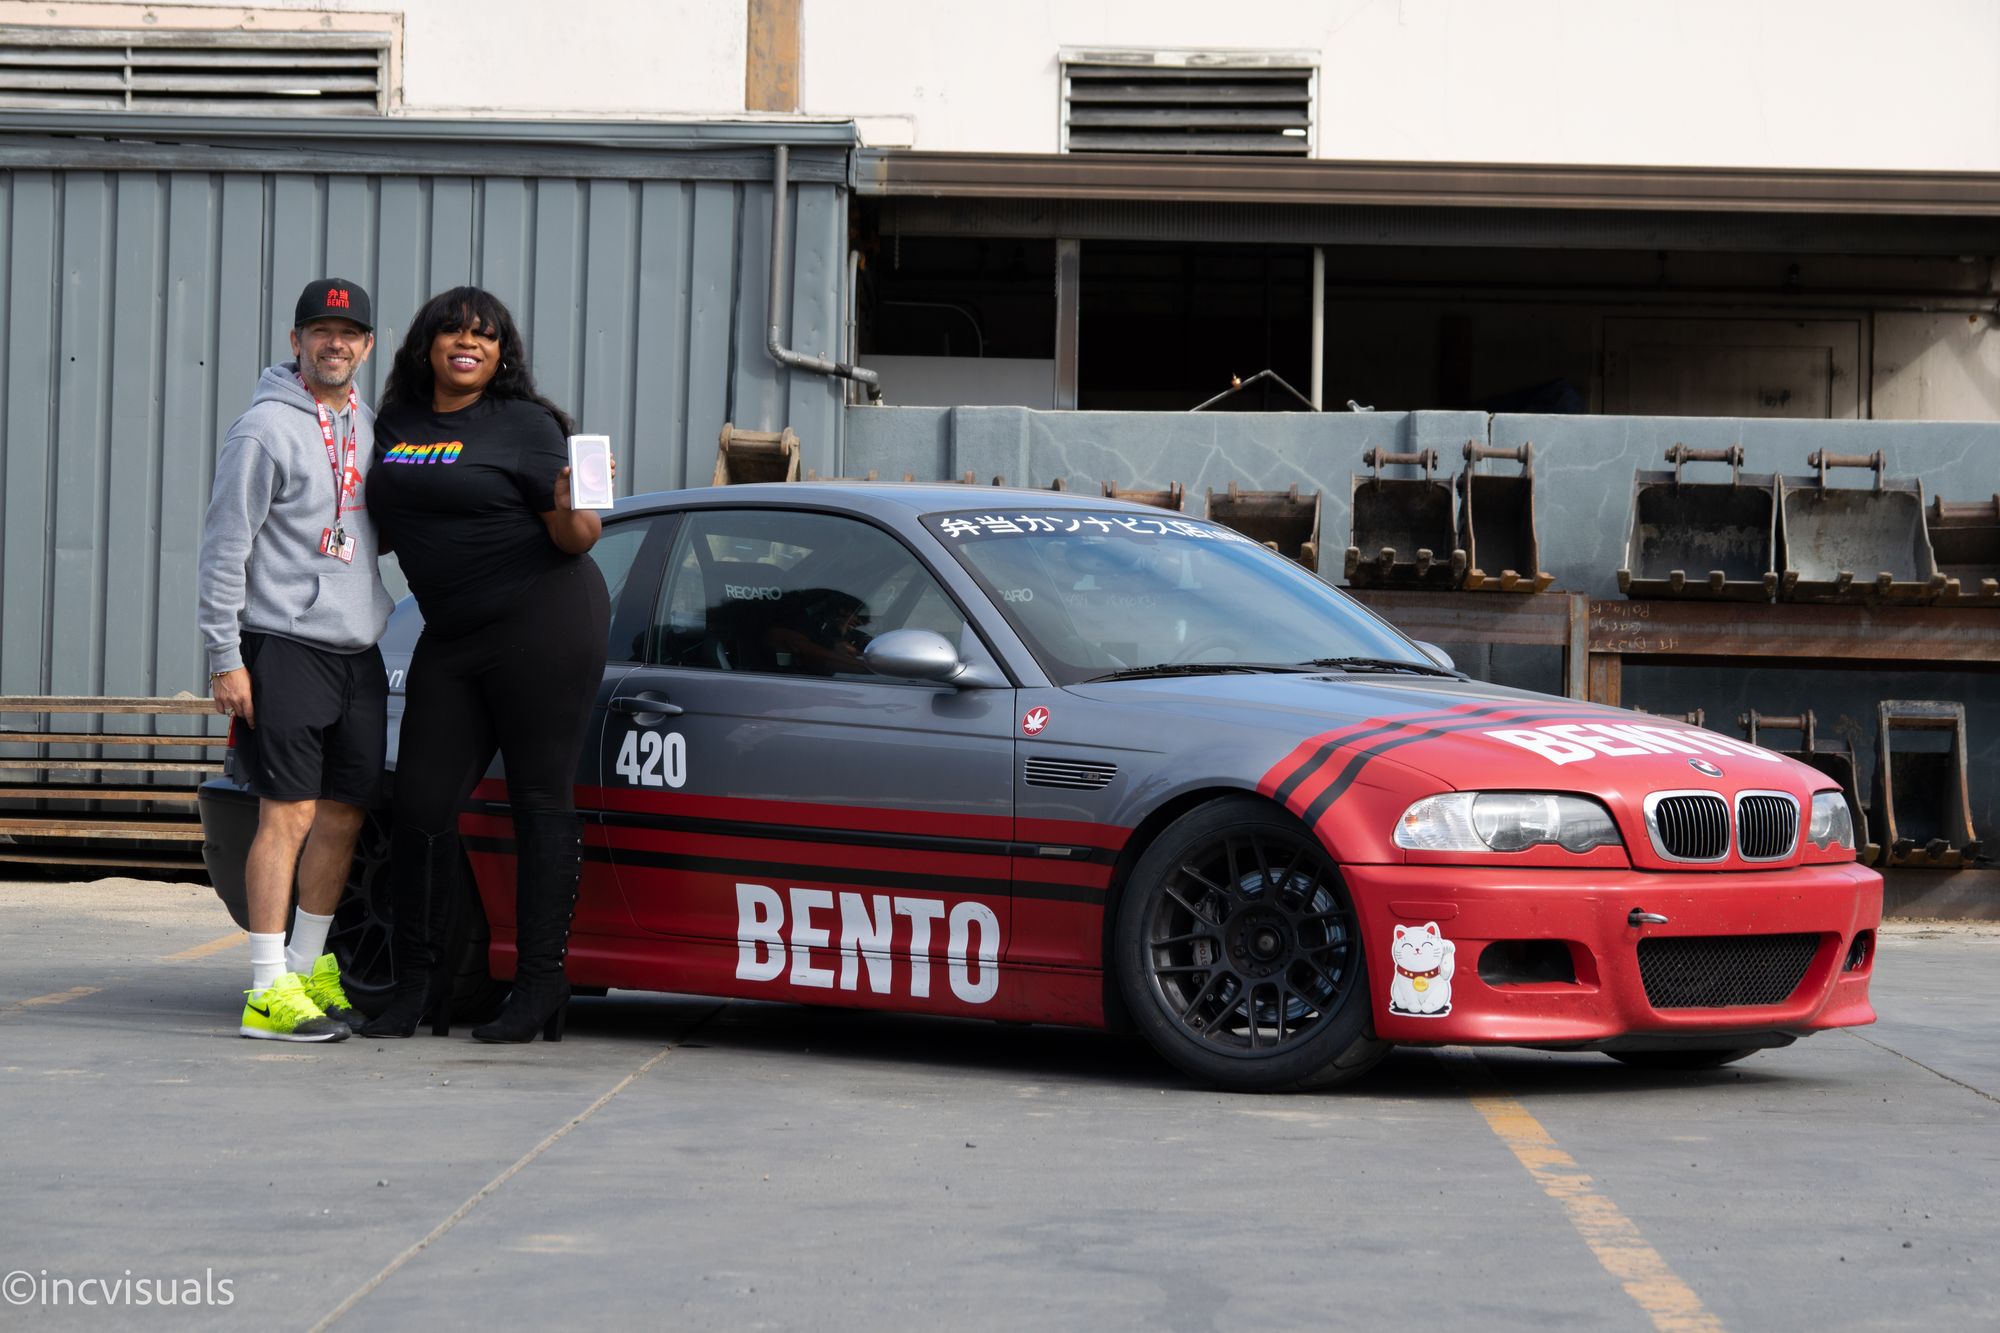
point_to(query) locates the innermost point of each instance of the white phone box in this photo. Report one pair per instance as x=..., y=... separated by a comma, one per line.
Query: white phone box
x=590, y=472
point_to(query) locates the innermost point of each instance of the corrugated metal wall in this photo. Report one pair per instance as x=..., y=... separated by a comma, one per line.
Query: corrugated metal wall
x=138, y=306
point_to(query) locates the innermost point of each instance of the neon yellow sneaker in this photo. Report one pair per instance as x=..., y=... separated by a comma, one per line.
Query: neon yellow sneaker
x=323, y=989
x=283, y=1012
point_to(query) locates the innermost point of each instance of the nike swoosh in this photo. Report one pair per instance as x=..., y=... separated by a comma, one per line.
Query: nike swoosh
x=255, y=1010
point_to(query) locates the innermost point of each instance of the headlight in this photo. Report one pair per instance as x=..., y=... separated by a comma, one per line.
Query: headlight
x=1831, y=822
x=1507, y=821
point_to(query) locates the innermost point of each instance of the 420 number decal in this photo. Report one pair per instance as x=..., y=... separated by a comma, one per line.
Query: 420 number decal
x=653, y=759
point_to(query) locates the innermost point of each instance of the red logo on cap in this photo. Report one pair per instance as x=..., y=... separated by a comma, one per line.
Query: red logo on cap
x=336, y=296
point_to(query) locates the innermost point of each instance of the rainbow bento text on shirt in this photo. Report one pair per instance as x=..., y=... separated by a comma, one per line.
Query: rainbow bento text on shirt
x=446, y=451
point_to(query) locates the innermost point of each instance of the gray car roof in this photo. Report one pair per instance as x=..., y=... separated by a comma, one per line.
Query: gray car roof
x=878, y=497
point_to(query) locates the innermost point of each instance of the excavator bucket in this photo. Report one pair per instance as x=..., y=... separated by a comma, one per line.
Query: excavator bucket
x=1923, y=813
x=1285, y=521
x=1702, y=539
x=1835, y=758
x=1174, y=497
x=756, y=455
x=1854, y=544
x=1496, y=523
x=1965, y=537
x=1403, y=533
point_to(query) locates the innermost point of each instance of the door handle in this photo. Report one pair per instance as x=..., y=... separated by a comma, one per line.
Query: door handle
x=645, y=705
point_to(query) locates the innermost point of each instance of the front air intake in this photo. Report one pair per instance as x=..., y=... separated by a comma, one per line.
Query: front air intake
x=1690, y=826
x=1723, y=971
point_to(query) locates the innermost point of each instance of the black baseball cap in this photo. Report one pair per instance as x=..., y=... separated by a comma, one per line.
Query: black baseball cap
x=334, y=298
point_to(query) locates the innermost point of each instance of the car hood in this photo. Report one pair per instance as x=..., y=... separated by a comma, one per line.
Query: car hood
x=1464, y=734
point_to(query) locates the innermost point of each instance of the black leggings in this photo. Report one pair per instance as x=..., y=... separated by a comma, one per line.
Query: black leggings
x=523, y=685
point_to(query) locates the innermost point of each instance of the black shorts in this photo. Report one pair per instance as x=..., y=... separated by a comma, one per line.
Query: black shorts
x=322, y=722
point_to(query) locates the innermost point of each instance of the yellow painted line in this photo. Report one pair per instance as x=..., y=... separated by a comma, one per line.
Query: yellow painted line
x=44, y=1001
x=1613, y=1237
x=229, y=941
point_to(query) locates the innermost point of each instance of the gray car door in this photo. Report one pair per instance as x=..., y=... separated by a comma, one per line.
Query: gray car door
x=803, y=828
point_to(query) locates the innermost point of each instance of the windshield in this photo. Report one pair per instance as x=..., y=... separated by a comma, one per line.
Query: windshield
x=1095, y=594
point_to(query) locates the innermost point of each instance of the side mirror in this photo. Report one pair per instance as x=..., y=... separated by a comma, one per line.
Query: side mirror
x=1436, y=654
x=913, y=654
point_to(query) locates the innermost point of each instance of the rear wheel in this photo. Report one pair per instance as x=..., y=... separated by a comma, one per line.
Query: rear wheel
x=1696, y=1059
x=1239, y=955
x=362, y=923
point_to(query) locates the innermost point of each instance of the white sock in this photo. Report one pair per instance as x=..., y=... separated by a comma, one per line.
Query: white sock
x=308, y=941
x=267, y=959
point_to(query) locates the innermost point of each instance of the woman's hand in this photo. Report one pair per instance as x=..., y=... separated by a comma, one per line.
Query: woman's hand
x=573, y=530
x=562, y=484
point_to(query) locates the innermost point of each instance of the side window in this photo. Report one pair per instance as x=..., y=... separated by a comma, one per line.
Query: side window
x=616, y=553
x=789, y=593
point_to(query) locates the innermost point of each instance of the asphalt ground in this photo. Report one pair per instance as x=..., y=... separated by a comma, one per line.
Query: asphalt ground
x=688, y=1163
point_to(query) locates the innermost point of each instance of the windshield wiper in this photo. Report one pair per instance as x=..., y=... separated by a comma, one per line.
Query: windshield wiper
x=1196, y=669
x=1384, y=664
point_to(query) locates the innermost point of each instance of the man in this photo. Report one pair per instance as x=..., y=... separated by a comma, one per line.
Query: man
x=291, y=610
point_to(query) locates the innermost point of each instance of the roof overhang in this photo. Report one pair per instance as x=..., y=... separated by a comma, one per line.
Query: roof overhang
x=444, y=146
x=1135, y=177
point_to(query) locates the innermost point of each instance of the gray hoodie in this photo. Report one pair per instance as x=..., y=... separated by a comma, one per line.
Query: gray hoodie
x=261, y=567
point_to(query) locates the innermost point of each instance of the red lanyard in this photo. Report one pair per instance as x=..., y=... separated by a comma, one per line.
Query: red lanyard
x=341, y=466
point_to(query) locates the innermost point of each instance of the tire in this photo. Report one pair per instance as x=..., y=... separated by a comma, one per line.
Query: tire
x=1239, y=956
x=1680, y=1060
x=359, y=937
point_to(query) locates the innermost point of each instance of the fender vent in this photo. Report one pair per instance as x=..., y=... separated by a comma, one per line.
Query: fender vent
x=1075, y=774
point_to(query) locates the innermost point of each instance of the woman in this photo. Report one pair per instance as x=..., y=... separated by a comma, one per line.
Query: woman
x=471, y=490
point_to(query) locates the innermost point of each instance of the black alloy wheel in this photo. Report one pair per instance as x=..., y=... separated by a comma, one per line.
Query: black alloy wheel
x=365, y=920
x=1239, y=953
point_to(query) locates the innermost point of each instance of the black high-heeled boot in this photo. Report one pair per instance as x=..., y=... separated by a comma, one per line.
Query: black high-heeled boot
x=548, y=866
x=423, y=871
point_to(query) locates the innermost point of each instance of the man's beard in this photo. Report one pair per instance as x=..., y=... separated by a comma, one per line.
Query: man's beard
x=320, y=377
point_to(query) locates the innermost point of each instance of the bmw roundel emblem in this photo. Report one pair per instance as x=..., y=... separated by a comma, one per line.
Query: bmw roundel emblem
x=1703, y=766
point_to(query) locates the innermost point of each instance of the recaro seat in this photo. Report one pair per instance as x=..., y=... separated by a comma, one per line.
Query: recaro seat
x=745, y=601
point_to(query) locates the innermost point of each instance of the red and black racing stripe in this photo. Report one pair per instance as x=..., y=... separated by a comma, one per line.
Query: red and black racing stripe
x=825, y=851
x=1295, y=769
x=1313, y=809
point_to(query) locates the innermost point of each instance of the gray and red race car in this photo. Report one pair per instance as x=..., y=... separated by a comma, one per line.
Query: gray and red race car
x=1046, y=758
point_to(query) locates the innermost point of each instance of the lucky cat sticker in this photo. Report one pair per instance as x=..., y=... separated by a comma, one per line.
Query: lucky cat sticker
x=1424, y=961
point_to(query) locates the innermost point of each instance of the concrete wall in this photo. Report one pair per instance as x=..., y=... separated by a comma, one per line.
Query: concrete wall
x=1584, y=469
x=1778, y=83
x=502, y=57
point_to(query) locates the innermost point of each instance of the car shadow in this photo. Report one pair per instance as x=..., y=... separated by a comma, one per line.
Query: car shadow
x=924, y=1042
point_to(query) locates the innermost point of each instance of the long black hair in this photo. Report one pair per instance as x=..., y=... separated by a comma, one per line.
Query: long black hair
x=411, y=379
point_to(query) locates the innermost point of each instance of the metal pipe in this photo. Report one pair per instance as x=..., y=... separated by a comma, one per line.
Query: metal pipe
x=852, y=339
x=785, y=356
x=1319, y=326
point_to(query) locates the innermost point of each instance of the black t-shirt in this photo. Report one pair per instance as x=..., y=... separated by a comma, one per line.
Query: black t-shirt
x=459, y=497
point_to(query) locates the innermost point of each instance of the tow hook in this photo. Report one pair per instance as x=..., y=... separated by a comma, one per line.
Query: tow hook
x=1641, y=917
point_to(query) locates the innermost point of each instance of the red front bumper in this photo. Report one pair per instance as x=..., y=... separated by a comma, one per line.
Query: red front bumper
x=1589, y=912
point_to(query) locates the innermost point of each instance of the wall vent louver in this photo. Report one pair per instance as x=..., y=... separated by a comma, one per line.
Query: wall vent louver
x=197, y=73
x=1259, y=104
